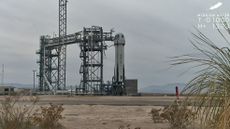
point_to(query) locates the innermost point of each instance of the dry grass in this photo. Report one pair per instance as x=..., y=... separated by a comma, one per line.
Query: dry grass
x=211, y=84
x=14, y=115
x=178, y=116
x=16, y=112
x=48, y=117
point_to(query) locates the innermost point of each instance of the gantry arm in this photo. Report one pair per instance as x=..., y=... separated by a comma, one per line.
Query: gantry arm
x=78, y=37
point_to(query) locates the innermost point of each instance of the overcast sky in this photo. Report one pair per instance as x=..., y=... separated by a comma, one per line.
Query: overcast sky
x=154, y=29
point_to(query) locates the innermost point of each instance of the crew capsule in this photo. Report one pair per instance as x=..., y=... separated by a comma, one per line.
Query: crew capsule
x=119, y=39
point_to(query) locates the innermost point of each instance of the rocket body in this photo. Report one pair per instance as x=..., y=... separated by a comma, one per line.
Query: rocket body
x=119, y=70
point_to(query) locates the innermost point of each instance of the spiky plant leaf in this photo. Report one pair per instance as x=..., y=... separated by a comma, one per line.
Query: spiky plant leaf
x=209, y=91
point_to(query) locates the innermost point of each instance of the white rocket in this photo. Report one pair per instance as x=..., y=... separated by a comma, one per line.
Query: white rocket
x=119, y=71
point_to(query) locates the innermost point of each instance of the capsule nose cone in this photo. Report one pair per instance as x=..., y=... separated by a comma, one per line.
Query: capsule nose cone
x=119, y=39
x=119, y=36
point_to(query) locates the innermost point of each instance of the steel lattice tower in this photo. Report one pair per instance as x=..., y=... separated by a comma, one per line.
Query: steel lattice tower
x=62, y=49
x=92, y=49
x=52, y=61
x=92, y=43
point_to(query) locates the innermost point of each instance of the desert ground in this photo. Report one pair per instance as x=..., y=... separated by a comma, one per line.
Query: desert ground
x=108, y=112
x=109, y=117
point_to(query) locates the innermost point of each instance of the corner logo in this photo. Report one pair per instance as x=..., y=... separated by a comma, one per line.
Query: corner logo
x=216, y=6
x=211, y=19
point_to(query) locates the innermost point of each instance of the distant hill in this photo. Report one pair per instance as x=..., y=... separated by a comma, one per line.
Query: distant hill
x=168, y=88
x=18, y=85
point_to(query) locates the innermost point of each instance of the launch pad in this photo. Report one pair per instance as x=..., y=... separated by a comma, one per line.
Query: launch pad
x=93, y=42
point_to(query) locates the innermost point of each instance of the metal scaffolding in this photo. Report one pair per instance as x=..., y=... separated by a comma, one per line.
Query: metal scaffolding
x=92, y=45
x=92, y=61
x=61, y=74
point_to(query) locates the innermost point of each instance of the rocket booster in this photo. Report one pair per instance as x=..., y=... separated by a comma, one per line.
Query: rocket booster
x=119, y=70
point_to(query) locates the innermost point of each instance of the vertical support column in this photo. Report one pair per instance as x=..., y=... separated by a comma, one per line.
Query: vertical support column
x=62, y=49
x=92, y=49
x=3, y=70
x=47, y=67
x=83, y=69
x=40, y=52
x=102, y=61
x=34, y=81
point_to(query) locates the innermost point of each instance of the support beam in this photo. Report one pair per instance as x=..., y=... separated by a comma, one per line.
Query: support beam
x=61, y=50
x=92, y=45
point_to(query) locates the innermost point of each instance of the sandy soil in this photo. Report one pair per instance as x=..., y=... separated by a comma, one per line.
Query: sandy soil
x=109, y=117
x=105, y=100
x=107, y=112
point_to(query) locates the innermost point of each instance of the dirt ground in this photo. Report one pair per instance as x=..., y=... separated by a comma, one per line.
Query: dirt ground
x=107, y=112
x=109, y=117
